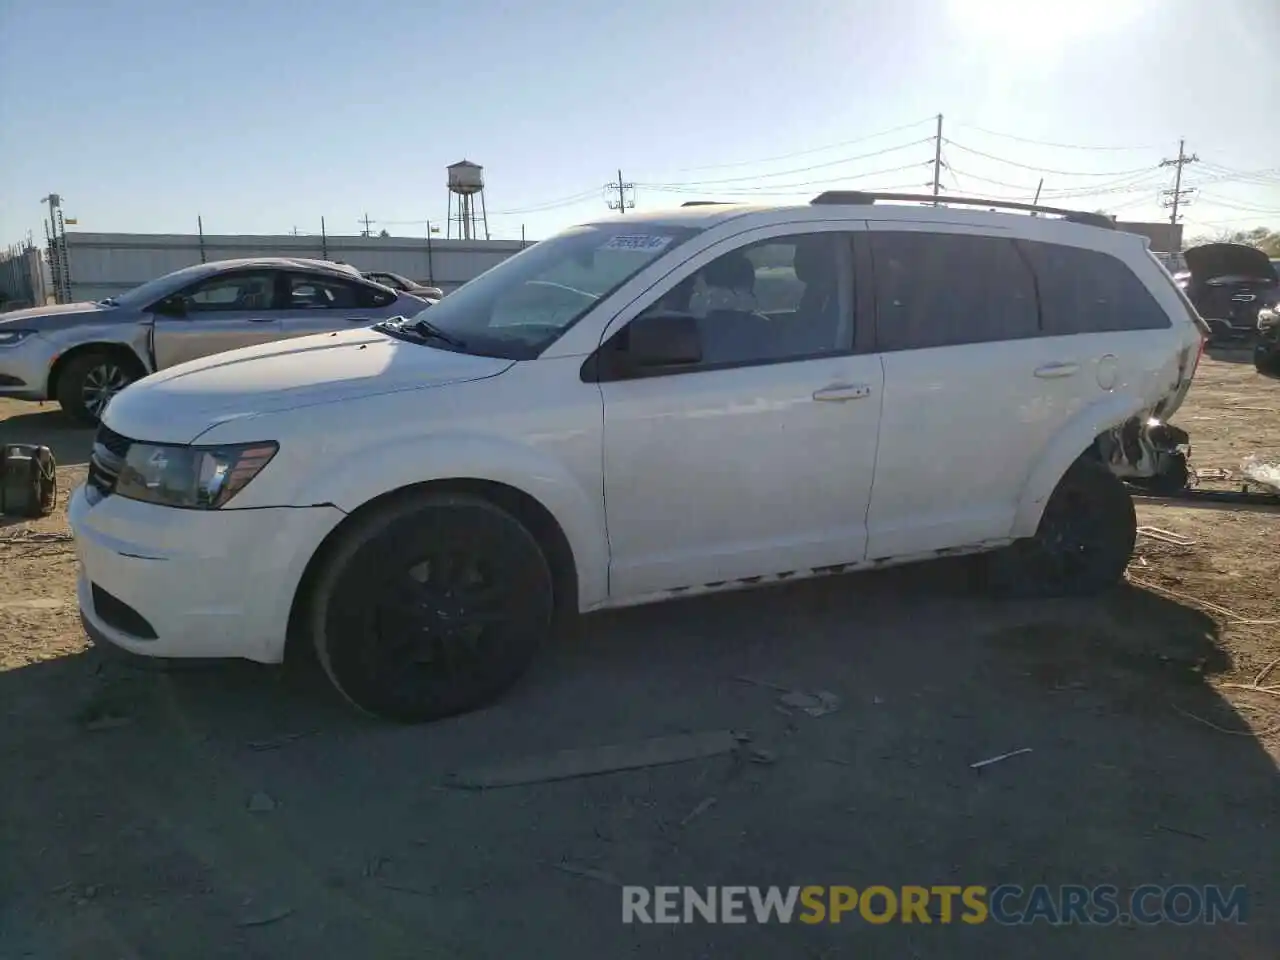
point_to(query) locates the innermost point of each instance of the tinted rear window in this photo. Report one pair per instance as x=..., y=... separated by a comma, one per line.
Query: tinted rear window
x=1085, y=291
x=946, y=289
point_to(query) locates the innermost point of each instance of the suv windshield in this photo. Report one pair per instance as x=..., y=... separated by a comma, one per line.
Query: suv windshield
x=524, y=304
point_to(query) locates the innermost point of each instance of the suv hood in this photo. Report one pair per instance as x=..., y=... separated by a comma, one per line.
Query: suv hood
x=45, y=318
x=179, y=404
x=1215, y=260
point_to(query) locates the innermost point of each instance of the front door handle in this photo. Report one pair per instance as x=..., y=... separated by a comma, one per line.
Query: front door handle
x=841, y=392
x=1051, y=371
x=262, y=319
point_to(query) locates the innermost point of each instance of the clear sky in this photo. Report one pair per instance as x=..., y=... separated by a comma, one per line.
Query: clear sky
x=264, y=115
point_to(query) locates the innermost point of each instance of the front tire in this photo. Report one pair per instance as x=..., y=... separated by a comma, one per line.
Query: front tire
x=1082, y=544
x=89, y=381
x=431, y=606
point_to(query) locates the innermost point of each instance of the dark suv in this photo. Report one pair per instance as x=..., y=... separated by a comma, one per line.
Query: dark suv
x=1228, y=283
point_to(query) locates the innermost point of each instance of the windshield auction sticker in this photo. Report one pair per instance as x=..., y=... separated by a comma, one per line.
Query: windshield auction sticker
x=643, y=243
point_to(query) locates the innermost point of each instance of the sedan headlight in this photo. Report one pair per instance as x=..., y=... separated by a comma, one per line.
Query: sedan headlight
x=10, y=337
x=201, y=478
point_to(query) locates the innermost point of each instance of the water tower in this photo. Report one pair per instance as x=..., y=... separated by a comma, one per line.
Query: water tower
x=466, y=184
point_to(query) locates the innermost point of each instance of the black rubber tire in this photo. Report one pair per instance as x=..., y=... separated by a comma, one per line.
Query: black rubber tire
x=1266, y=360
x=73, y=378
x=379, y=667
x=1082, y=545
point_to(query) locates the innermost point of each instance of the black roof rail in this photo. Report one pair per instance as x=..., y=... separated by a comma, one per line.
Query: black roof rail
x=706, y=203
x=859, y=198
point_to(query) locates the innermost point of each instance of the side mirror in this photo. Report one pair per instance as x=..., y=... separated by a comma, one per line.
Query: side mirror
x=174, y=306
x=662, y=340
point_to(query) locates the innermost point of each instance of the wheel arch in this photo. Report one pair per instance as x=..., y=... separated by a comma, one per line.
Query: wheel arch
x=1079, y=437
x=121, y=351
x=536, y=517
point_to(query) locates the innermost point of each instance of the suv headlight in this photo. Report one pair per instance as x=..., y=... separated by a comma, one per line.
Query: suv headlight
x=9, y=338
x=199, y=478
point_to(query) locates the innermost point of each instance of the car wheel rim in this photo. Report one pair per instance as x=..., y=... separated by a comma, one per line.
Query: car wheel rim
x=439, y=615
x=101, y=384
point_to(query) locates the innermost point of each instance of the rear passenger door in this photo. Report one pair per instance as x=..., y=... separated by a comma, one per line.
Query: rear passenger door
x=972, y=390
x=321, y=304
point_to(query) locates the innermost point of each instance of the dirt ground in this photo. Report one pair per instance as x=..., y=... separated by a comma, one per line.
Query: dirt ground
x=239, y=811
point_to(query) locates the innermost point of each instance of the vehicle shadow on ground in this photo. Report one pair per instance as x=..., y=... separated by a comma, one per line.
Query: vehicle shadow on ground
x=245, y=811
x=49, y=427
x=1231, y=352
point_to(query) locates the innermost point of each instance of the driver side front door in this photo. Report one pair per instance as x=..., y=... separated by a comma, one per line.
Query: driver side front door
x=223, y=312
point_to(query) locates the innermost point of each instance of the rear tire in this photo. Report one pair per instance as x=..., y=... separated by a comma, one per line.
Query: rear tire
x=88, y=381
x=1082, y=545
x=431, y=606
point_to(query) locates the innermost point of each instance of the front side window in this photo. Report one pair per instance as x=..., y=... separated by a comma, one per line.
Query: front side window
x=237, y=292
x=524, y=304
x=769, y=302
x=1086, y=291
x=948, y=289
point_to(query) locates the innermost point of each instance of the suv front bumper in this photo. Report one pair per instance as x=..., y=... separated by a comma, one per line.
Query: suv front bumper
x=163, y=582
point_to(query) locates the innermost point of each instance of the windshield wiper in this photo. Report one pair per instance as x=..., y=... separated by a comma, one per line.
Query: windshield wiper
x=110, y=302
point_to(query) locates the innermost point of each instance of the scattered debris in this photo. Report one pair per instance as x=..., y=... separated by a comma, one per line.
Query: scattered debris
x=1253, y=688
x=1212, y=473
x=275, y=743
x=1223, y=611
x=816, y=704
x=763, y=683
x=1266, y=672
x=756, y=755
x=1004, y=756
x=262, y=919
x=261, y=803
x=698, y=811
x=570, y=764
x=1181, y=833
x=107, y=723
x=1166, y=536
x=1263, y=472
x=591, y=874
x=1213, y=726
x=403, y=888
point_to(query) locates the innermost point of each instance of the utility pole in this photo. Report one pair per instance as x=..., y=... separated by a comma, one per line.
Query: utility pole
x=366, y=221
x=1177, y=195
x=621, y=204
x=937, y=160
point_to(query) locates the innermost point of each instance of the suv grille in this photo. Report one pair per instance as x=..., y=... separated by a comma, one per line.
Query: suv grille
x=109, y=451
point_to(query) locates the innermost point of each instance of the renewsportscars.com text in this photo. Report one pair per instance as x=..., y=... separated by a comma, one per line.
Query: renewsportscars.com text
x=1007, y=904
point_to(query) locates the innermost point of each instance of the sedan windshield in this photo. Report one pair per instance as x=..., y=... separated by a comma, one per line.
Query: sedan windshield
x=524, y=304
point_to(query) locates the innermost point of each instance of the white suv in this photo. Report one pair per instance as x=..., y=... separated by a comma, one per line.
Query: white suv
x=655, y=406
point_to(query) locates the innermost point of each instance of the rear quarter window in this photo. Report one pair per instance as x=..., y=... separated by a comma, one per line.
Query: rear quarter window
x=1087, y=291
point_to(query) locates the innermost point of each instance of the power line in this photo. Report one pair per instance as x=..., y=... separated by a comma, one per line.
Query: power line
x=548, y=204
x=779, y=173
x=784, y=187
x=804, y=153
x=1177, y=195
x=1047, y=143
x=620, y=187
x=1059, y=173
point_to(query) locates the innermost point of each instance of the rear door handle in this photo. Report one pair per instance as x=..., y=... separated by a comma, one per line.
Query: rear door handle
x=1052, y=371
x=842, y=392
x=262, y=319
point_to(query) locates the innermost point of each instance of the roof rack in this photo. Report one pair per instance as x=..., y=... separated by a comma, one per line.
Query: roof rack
x=706, y=203
x=860, y=198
